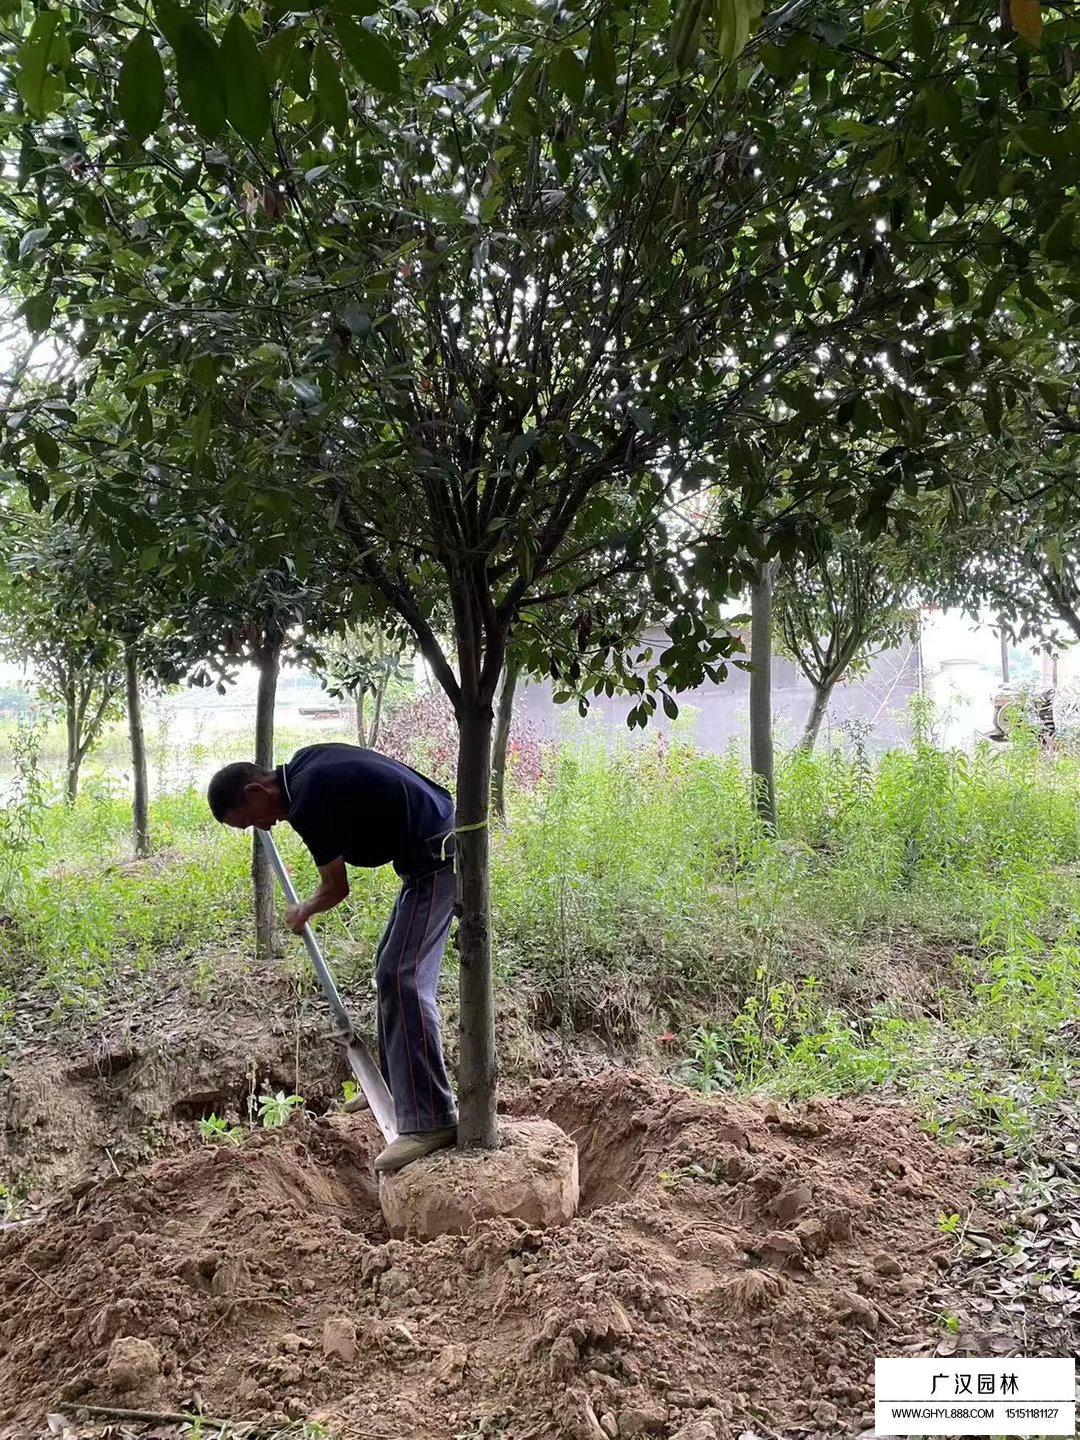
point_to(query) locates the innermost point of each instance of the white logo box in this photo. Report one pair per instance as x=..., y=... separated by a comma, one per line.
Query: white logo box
x=957, y=1396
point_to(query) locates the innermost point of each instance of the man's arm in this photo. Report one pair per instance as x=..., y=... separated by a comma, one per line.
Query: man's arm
x=333, y=888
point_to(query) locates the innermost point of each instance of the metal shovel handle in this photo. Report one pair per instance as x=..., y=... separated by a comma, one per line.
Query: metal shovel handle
x=322, y=970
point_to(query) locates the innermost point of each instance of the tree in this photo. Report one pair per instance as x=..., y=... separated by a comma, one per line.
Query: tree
x=49, y=624
x=834, y=606
x=493, y=296
x=362, y=661
x=761, y=715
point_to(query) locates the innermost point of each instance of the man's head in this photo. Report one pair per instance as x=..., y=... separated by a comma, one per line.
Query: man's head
x=242, y=794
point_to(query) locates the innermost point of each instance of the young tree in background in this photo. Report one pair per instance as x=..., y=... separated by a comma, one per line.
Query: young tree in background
x=362, y=661
x=50, y=624
x=835, y=606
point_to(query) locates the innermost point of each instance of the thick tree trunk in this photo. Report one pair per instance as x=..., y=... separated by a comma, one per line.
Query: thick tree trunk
x=262, y=878
x=74, y=759
x=818, y=710
x=503, y=720
x=361, y=738
x=478, y=1066
x=761, y=736
x=140, y=791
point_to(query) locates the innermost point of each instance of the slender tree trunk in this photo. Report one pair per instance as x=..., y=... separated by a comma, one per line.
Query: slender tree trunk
x=761, y=736
x=268, y=661
x=140, y=791
x=74, y=759
x=478, y=1066
x=360, y=736
x=376, y=718
x=503, y=720
x=1004, y=653
x=818, y=710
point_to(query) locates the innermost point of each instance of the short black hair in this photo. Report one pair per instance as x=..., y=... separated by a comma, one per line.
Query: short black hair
x=226, y=790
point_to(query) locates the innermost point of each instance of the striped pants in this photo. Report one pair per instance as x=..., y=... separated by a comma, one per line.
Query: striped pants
x=407, y=966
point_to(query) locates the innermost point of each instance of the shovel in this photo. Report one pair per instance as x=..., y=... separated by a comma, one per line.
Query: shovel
x=368, y=1075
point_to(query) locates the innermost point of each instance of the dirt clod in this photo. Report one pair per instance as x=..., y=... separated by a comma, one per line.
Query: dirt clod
x=886, y=1264
x=450, y=1366
x=642, y=1420
x=339, y=1339
x=133, y=1365
x=826, y=1414
x=696, y=1429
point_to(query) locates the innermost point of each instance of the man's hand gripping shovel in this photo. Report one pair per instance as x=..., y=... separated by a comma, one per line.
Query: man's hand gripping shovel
x=368, y=1075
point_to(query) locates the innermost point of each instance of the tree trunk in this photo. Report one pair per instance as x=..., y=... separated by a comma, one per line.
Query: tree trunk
x=761, y=737
x=140, y=793
x=376, y=719
x=503, y=721
x=360, y=738
x=818, y=710
x=478, y=1066
x=74, y=759
x=262, y=878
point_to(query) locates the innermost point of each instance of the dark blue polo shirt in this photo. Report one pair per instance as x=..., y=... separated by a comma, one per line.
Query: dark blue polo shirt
x=348, y=801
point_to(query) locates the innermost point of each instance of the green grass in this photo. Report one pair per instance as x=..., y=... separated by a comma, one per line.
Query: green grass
x=915, y=927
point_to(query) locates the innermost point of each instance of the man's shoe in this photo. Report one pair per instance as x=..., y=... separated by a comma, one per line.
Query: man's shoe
x=413, y=1146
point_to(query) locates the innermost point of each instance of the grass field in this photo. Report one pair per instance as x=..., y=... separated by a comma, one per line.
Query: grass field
x=915, y=925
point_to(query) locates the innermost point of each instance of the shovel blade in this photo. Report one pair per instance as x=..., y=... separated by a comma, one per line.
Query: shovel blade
x=369, y=1078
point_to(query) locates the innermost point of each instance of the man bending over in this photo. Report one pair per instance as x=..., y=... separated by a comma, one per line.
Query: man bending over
x=352, y=806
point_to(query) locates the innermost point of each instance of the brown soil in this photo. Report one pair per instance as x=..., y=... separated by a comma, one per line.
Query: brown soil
x=733, y=1263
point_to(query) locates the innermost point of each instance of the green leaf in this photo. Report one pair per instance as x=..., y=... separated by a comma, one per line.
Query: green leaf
x=37, y=491
x=37, y=311
x=45, y=46
x=277, y=52
x=200, y=428
x=369, y=55
x=732, y=27
x=48, y=452
x=1057, y=243
x=568, y=73
x=204, y=370
x=601, y=58
x=686, y=33
x=199, y=78
x=330, y=91
x=140, y=91
x=247, y=91
x=170, y=21
x=31, y=240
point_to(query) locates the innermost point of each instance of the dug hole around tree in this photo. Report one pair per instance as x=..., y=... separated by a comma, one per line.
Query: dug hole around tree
x=533, y=1176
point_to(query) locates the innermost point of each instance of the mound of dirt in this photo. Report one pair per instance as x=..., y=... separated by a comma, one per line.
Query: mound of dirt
x=127, y=1095
x=734, y=1266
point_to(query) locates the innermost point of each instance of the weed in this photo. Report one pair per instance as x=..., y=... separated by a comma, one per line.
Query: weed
x=274, y=1110
x=705, y=1070
x=213, y=1128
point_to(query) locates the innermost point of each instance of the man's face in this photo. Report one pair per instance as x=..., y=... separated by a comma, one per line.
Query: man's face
x=259, y=808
